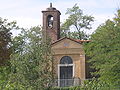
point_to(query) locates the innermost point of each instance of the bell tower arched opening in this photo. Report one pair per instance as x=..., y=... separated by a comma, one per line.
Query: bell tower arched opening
x=50, y=21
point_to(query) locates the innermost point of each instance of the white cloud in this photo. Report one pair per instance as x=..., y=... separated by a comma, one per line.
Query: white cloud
x=26, y=22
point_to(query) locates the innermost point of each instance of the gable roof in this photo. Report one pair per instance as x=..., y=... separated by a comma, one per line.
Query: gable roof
x=75, y=40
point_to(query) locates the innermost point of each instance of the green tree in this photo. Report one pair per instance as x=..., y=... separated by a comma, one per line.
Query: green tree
x=76, y=23
x=5, y=50
x=31, y=62
x=5, y=39
x=104, y=51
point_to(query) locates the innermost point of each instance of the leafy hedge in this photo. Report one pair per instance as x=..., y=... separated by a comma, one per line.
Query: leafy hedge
x=89, y=85
x=85, y=88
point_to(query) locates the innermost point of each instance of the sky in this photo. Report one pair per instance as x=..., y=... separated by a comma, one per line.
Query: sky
x=28, y=13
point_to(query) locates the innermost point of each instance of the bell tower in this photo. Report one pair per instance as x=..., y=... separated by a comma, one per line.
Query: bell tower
x=51, y=23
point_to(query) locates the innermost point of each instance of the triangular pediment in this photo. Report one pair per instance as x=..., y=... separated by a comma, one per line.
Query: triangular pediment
x=66, y=43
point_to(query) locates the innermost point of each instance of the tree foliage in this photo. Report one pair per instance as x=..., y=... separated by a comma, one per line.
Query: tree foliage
x=78, y=21
x=104, y=51
x=30, y=65
x=5, y=49
x=5, y=39
x=31, y=62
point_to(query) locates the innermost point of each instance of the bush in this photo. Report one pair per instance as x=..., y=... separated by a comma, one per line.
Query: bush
x=93, y=84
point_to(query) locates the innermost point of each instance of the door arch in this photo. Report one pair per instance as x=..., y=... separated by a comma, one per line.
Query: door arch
x=66, y=60
x=65, y=71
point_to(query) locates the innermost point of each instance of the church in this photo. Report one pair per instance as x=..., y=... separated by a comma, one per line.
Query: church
x=70, y=66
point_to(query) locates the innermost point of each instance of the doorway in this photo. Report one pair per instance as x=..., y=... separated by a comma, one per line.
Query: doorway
x=65, y=71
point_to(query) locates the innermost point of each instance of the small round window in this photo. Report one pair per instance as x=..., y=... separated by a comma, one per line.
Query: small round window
x=66, y=60
x=50, y=21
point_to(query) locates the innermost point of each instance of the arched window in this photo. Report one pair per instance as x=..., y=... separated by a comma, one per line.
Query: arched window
x=66, y=60
x=50, y=21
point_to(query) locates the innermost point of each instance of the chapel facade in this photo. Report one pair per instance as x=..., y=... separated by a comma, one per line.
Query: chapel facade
x=69, y=56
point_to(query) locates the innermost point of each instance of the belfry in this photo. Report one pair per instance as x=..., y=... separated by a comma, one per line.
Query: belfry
x=69, y=56
x=51, y=23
